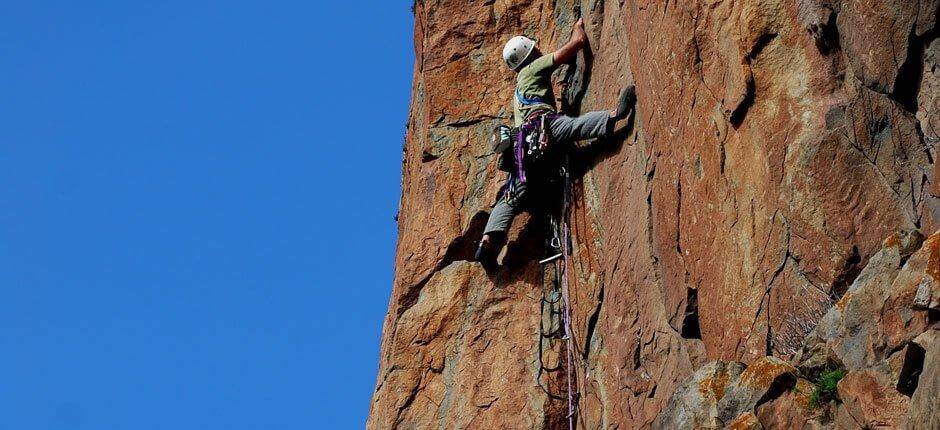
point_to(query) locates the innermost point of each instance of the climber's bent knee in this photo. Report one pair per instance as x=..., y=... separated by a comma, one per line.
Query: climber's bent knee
x=500, y=218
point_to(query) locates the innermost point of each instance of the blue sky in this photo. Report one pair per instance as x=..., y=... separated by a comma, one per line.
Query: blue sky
x=196, y=216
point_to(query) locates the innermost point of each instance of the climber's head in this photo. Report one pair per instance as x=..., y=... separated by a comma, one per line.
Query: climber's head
x=518, y=52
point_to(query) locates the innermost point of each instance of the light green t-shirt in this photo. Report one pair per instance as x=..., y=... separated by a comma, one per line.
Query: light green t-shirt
x=534, y=82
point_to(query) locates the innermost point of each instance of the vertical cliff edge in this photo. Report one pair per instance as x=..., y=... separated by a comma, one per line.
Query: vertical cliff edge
x=761, y=251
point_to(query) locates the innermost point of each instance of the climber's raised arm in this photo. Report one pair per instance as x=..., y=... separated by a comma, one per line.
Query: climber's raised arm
x=567, y=52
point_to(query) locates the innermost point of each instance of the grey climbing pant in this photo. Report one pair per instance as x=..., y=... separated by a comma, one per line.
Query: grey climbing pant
x=591, y=125
x=508, y=206
x=563, y=128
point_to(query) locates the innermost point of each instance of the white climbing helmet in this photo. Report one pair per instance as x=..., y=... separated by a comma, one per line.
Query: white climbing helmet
x=517, y=50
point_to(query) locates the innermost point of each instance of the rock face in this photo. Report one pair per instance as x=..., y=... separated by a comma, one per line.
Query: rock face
x=877, y=337
x=739, y=229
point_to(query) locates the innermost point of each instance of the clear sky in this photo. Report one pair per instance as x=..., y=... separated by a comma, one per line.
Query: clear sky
x=196, y=210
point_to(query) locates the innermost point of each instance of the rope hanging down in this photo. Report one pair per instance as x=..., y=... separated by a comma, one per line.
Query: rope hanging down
x=556, y=303
x=555, y=320
x=566, y=251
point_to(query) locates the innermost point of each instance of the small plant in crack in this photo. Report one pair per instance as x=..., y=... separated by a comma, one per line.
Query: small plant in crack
x=825, y=387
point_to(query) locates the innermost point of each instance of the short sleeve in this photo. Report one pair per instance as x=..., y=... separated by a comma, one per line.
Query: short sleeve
x=542, y=66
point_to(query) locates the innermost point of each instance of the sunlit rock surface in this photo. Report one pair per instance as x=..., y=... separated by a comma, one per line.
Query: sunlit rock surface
x=764, y=203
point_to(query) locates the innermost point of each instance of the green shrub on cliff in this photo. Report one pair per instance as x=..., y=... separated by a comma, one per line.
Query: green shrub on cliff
x=825, y=389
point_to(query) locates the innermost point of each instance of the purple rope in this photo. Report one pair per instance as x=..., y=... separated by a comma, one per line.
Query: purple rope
x=519, y=151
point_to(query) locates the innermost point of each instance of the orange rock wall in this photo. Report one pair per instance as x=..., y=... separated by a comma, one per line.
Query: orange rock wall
x=776, y=144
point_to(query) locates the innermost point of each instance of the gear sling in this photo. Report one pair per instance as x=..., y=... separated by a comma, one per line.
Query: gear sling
x=530, y=147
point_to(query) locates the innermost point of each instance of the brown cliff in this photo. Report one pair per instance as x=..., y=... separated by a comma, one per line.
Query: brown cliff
x=776, y=145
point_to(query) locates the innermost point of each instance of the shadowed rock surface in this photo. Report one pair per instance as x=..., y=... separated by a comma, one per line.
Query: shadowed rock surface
x=753, y=211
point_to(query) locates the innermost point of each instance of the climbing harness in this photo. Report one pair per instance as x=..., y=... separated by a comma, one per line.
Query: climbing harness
x=530, y=149
x=532, y=142
x=532, y=137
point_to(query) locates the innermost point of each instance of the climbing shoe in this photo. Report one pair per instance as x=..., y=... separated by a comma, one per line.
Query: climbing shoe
x=485, y=256
x=626, y=102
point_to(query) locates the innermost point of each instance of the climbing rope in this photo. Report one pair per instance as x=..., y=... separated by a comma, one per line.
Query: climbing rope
x=555, y=319
x=558, y=303
x=551, y=325
x=566, y=251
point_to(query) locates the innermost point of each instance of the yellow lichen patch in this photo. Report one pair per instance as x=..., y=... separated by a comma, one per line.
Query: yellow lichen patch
x=746, y=421
x=801, y=393
x=843, y=301
x=893, y=240
x=932, y=245
x=762, y=372
x=714, y=385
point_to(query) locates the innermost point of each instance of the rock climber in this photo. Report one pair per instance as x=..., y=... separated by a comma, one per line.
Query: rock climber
x=538, y=128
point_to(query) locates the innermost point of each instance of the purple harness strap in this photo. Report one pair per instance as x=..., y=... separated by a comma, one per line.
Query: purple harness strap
x=533, y=122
